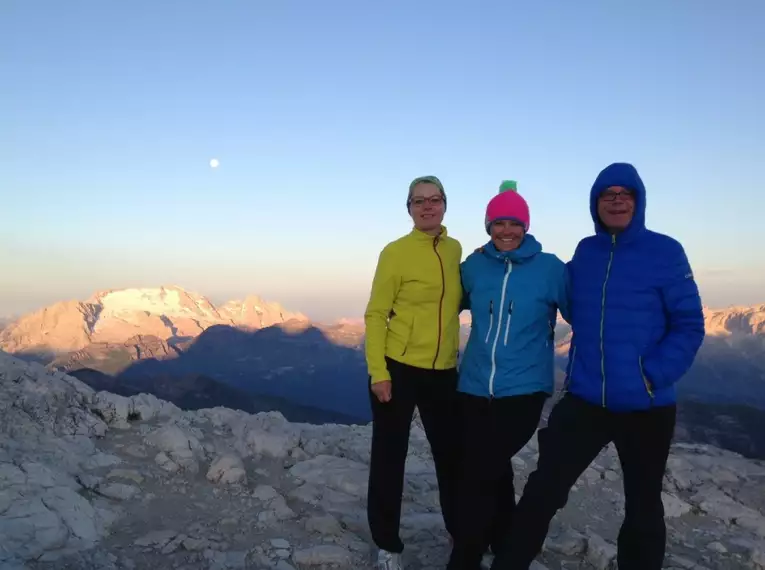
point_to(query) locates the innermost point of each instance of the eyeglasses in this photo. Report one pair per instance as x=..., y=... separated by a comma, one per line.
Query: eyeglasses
x=433, y=200
x=610, y=195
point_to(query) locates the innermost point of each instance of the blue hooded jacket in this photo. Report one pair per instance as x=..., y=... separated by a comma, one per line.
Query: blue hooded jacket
x=637, y=318
x=513, y=299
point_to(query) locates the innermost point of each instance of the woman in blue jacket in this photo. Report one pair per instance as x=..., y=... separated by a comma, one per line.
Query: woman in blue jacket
x=513, y=291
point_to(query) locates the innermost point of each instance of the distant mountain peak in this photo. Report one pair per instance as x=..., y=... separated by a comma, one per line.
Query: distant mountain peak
x=116, y=315
x=735, y=320
x=166, y=297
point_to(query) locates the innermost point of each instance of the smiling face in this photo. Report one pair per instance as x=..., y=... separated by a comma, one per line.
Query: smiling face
x=506, y=235
x=616, y=206
x=426, y=206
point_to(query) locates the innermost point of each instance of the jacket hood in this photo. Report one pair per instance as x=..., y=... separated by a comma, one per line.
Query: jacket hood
x=529, y=248
x=620, y=174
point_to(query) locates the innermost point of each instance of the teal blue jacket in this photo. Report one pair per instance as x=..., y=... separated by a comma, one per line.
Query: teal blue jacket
x=513, y=298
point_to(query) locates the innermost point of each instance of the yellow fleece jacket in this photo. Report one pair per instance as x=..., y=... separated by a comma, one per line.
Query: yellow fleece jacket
x=413, y=310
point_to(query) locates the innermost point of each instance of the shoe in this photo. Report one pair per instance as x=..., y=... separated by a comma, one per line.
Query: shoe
x=388, y=560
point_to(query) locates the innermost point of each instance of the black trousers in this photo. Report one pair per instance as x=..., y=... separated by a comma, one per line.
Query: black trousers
x=576, y=433
x=432, y=391
x=493, y=431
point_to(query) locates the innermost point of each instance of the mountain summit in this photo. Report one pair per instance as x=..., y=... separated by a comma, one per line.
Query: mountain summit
x=114, y=316
x=735, y=320
x=90, y=479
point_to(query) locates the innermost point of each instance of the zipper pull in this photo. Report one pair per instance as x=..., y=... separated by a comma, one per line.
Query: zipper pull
x=510, y=308
x=491, y=306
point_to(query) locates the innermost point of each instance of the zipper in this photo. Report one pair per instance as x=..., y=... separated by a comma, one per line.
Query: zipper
x=507, y=324
x=645, y=379
x=508, y=270
x=491, y=320
x=441, y=300
x=602, y=322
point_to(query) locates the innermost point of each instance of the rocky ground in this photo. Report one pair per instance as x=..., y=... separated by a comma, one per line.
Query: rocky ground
x=95, y=480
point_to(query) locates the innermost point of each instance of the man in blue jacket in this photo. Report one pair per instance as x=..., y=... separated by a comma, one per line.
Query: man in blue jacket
x=637, y=324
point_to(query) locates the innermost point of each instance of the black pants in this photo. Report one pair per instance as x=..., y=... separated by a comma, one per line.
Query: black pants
x=432, y=391
x=493, y=431
x=576, y=433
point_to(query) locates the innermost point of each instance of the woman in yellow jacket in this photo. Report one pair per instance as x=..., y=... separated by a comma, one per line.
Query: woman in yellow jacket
x=412, y=341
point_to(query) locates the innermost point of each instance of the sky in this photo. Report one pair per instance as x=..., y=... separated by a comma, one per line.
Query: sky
x=321, y=113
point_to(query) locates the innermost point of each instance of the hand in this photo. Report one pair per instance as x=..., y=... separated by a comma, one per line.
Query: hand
x=382, y=390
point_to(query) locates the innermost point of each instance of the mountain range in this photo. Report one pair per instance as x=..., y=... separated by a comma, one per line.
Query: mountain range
x=254, y=351
x=168, y=313
x=255, y=355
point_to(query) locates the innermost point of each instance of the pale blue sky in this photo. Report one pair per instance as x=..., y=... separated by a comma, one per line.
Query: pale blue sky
x=321, y=113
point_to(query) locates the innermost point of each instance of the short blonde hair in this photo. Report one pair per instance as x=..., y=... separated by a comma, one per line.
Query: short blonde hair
x=425, y=180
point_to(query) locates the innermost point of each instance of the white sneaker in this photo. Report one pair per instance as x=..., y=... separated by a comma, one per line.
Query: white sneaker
x=388, y=560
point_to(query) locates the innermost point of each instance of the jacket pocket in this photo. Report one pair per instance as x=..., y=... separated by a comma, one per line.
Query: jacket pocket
x=399, y=334
x=491, y=322
x=507, y=322
x=452, y=336
x=646, y=382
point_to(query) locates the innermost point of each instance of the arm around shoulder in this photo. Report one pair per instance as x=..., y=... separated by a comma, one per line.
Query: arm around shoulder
x=671, y=358
x=385, y=286
x=465, y=302
x=565, y=278
x=561, y=287
x=467, y=270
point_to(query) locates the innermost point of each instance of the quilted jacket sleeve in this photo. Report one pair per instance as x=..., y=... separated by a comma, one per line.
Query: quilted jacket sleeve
x=668, y=361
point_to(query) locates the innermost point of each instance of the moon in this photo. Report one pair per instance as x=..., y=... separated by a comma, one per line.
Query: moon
x=214, y=163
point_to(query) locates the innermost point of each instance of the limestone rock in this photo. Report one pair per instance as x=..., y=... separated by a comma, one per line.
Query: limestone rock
x=227, y=469
x=76, y=493
x=601, y=554
x=322, y=554
x=335, y=472
x=119, y=491
x=674, y=507
x=717, y=503
x=569, y=543
x=179, y=447
x=156, y=538
x=323, y=524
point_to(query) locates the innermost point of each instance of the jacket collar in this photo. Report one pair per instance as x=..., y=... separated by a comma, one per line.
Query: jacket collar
x=528, y=249
x=423, y=237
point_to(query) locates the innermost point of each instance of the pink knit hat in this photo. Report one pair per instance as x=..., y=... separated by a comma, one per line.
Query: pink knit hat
x=508, y=205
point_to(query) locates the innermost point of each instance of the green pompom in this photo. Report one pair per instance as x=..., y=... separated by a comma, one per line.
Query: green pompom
x=506, y=185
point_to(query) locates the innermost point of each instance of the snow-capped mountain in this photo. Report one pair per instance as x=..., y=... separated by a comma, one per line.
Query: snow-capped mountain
x=114, y=316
